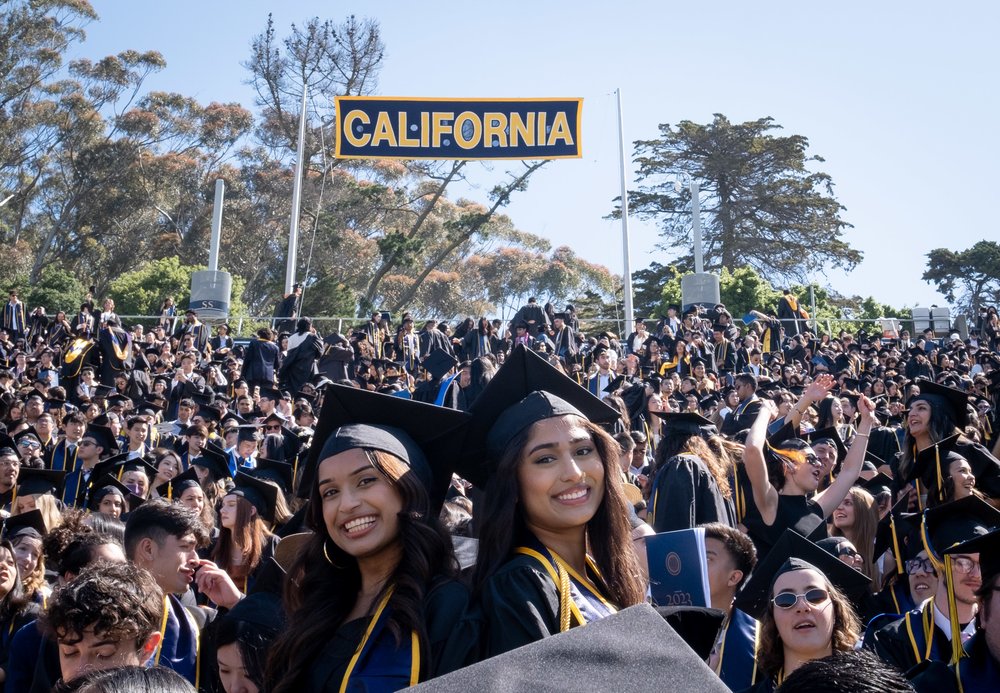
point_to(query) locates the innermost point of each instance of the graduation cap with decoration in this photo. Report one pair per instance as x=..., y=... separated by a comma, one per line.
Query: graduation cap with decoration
x=525, y=390
x=173, y=489
x=425, y=437
x=31, y=524
x=790, y=553
x=945, y=527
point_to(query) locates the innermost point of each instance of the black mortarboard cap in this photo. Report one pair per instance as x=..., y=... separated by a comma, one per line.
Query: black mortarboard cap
x=425, y=436
x=988, y=548
x=31, y=482
x=137, y=464
x=951, y=401
x=698, y=626
x=615, y=384
x=261, y=609
x=957, y=522
x=794, y=552
x=30, y=523
x=439, y=362
x=931, y=463
x=270, y=393
x=633, y=650
x=208, y=414
x=525, y=390
x=104, y=391
x=261, y=494
x=906, y=527
x=119, y=400
x=879, y=483
x=685, y=422
x=173, y=489
x=710, y=401
x=828, y=434
x=277, y=471
x=215, y=459
x=111, y=465
x=249, y=432
x=106, y=484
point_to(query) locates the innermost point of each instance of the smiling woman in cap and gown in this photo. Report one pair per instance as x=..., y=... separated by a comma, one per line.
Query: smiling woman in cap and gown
x=373, y=600
x=552, y=490
x=936, y=414
x=801, y=596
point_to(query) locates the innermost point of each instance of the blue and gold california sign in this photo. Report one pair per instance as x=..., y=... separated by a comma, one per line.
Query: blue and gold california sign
x=374, y=127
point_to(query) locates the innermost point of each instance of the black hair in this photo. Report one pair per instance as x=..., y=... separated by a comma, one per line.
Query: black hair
x=856, y=671
x=158, y=519
x=253, y=639
x=737, y=544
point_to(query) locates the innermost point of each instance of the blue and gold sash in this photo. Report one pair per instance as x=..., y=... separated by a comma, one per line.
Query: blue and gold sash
x=737, y=661
x=378, y=665
x=580, y=600
x=180, y=642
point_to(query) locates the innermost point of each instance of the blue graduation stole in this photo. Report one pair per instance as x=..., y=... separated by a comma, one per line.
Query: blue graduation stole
x=580, y=602
x=737, y=665
x=445, y=384
x=59, y=458
x=978, y=670
x=378, y=665
x=919, y=625
x=75, y=490
x=180, y=644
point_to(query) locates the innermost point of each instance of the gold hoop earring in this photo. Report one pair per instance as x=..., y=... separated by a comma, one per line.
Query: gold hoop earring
x=326, y=555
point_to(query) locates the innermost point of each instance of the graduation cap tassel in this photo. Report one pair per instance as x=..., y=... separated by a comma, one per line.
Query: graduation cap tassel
x=895, y=544
x=957, y=651
x=937, y=467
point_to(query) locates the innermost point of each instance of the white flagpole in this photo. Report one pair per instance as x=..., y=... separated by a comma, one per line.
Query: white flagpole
x=627, y=265
x=293, y=233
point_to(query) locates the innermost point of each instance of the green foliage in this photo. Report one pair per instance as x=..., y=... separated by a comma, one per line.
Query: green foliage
x=970, y=278
x=762, y=206
x=57, y=289
x=141, y=291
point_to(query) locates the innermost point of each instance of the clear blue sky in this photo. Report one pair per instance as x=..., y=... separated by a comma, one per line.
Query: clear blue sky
x=900, y=98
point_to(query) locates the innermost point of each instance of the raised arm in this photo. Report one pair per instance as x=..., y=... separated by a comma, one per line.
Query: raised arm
x=817, y=390
x=765, y=496
x=851, y=469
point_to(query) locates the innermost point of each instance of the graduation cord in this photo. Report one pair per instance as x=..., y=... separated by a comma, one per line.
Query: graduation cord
x=927, y=624
x=561, y=578
x=197, y=640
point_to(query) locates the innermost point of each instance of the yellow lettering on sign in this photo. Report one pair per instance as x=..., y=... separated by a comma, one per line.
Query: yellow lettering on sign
x=404, y=140
x=477, y=130
x=349, y=119
x=383, y=130
x=560, y=130
x=425, y=129
x=494, y=125
x=542, y=135
x=522, y=132
x=440, y=125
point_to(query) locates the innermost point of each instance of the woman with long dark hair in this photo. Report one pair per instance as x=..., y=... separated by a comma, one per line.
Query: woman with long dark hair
x=934, y=422
x=831, y=415
x=555, y=547
x=372, y=597
x=16, y=607
x=691, y=483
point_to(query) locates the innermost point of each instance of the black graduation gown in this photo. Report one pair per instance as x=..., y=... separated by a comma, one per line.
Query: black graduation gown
x=452, y=633
x=892, y=641
x=686, y=495
x=299, y=365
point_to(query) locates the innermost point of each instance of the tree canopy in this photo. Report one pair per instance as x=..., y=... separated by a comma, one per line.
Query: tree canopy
x=970, y=278
x=761, y=204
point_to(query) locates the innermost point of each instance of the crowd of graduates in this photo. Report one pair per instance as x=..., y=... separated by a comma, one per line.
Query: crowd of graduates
x=410, y=504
